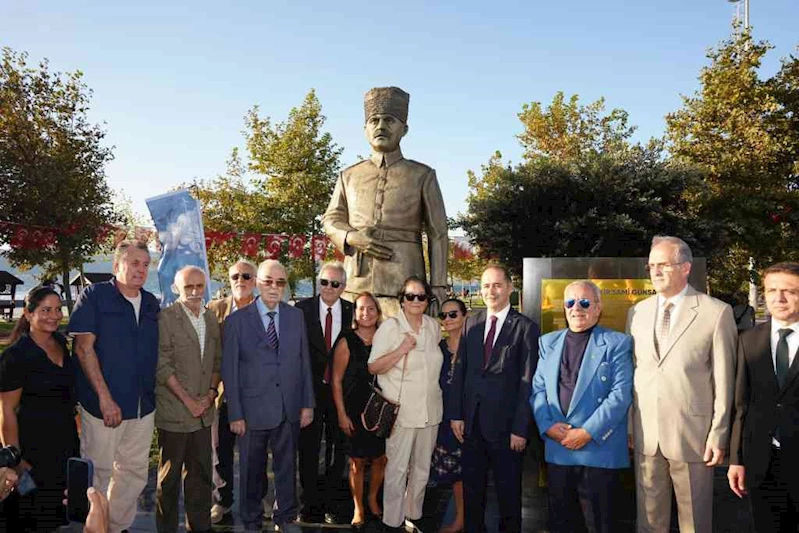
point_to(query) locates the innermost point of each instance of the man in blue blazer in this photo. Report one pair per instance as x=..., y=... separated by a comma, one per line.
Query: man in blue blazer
x=266, y=369
x=582, y=390
x=489, y=401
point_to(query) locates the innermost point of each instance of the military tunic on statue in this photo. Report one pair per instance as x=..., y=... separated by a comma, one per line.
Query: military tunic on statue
x=394, y=199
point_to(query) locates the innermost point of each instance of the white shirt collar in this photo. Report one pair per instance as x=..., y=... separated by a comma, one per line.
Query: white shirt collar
x=501, y=316
x=336, y=307
x=191, y=313
x=675, y=300
x=263, y=309
x=776, y=327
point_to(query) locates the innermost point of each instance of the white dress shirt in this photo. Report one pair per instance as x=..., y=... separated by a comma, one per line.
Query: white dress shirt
x=336, y=312
x=501, y=316
x=793, y=346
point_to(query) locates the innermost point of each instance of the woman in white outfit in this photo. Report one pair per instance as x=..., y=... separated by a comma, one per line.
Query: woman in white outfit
x=411, y=341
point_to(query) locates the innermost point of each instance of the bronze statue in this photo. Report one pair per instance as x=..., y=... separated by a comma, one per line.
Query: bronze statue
x=381, y=206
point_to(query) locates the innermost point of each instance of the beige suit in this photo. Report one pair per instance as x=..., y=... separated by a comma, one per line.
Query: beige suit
x=682, y=401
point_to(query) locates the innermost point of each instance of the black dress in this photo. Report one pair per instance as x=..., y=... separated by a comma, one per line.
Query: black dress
x=446, y=463
x=48, y=436
x=356, y=386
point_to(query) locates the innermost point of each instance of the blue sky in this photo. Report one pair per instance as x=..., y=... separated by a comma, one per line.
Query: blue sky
x=173, y=81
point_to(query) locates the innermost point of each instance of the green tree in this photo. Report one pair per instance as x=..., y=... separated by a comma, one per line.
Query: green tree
x=282, y=186
x=741, y=132
x=598, y=206
x=567, y=131
x=52, y=166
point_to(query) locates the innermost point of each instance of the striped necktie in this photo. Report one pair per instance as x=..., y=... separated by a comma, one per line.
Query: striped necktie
x=271, y=332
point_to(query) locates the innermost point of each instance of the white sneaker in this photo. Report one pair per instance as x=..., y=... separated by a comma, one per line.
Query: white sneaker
x=218, y=513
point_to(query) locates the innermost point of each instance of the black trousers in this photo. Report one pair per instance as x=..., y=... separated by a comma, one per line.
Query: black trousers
x=582, y=499
x=480, y=455
x=325, y=423
x=775, y=503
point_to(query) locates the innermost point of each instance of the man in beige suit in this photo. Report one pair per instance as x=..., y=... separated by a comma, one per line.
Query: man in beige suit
x=187, y=376
x=684, y=371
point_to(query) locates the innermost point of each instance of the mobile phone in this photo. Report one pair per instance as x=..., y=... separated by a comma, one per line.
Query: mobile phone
x=79, y=478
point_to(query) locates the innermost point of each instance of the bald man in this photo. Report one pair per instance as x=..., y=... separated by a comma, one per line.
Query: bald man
x=187, y=377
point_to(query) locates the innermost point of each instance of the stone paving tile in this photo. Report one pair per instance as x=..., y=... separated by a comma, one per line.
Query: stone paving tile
x=730, y=513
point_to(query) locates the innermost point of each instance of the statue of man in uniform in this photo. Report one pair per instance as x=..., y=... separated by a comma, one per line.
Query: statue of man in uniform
x=381, y=206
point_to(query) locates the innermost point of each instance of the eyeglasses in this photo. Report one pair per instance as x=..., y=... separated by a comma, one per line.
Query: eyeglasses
x=246, y=276
x=584, y=303
x=663, y=267
x=411, y=297
x=451, y=314
x=270, y=282
x=326, y=282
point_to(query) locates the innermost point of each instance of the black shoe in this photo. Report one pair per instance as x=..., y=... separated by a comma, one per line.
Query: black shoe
x=333, y=519
x=310, y=516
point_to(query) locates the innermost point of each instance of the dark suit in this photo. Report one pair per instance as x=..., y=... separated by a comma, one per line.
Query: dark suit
x=762, y=410
x=267, y=389
x=325, y=419
x=492, y=400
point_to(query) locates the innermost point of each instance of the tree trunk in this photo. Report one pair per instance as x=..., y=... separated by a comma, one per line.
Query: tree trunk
x=67, y=288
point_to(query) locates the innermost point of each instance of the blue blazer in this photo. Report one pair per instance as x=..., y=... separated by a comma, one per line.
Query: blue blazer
x=600, y=402
x=260, y=387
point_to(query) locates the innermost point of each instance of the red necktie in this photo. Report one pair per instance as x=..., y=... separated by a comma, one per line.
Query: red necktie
x=489, y=342
x=328, y=340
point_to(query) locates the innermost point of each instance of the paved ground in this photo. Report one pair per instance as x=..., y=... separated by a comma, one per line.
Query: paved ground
x=731, y=514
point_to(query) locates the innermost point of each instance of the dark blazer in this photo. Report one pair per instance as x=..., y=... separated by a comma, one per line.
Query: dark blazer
x=502, y=389
x=761, y=407
x=320, y=357
x=256, y=390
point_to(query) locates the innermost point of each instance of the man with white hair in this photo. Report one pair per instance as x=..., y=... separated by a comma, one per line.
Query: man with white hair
x=266, y=369
x=582, y=390
x=682, y=393
x=189, y=359
x=326, y=316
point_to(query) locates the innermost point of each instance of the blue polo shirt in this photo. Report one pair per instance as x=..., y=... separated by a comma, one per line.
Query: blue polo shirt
x=127, y=351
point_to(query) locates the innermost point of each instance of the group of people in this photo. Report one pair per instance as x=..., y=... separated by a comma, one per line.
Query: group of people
x=679, y=387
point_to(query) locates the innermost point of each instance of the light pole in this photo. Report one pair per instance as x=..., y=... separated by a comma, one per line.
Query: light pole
x=746, y=11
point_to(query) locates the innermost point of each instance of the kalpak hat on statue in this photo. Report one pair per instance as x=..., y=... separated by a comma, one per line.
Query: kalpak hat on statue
x=386, y=101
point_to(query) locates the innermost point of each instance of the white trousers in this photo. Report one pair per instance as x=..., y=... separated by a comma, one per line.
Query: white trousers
x=409, y=451
x=121, y=458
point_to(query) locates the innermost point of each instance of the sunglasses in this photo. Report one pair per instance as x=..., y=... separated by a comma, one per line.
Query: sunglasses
x=584, y=303
x=246, y=276
x=411, y=297
x=326, y=282
x=451, y=314
x=275, y=282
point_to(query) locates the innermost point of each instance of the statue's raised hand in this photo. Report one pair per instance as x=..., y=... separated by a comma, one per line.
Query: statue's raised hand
x=362, y=241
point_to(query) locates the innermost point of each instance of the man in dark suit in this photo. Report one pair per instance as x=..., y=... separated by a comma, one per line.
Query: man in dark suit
x=490, y=392
x=266, y=369
x=242, y=287
x=326, y=316
x=765, y=432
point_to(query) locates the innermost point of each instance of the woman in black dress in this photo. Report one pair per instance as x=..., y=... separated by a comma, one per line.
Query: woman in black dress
x=37, y=405
x=446, y=463
x=351, y=390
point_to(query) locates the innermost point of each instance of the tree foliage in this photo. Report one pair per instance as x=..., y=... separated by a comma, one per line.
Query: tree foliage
x=52, y=165
x=598, y=206
x=283, y=184
x=742, y=132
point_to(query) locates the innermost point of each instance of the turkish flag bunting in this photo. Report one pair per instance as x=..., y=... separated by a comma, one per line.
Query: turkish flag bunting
x=319, y=247
x=250, y=243
x=296, y=246
x=20, y=238
x=274, y=246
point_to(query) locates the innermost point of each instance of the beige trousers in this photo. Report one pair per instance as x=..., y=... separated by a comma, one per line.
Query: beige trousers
x=693, y=487
x=121, y=458
x=409, y=451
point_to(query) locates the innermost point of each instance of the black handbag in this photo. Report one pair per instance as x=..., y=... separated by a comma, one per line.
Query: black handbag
x=380, y=413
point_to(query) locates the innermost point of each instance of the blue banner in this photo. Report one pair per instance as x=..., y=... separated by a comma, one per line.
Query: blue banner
x=179, y=222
